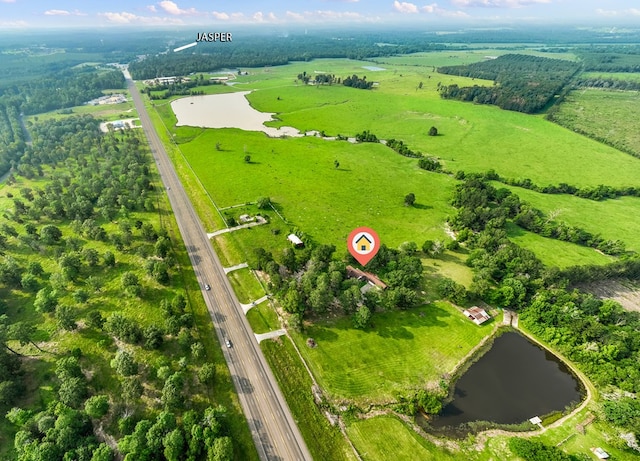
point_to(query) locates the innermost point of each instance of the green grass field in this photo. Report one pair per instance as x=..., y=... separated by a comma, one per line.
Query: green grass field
x=324, y=202
x=556, y=252
x=246, y=286
x=604, y=114
x=263, y=318
x=621, y=222
x=325, y=442
x=402, y=350
x=386, y=438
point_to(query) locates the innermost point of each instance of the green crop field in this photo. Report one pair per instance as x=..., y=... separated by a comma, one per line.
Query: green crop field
x=403, y=350
x=608, y=115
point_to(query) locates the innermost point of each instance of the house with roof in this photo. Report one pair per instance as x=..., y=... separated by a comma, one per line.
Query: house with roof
x=371, y=279
x=477, y=315
x=363, y=244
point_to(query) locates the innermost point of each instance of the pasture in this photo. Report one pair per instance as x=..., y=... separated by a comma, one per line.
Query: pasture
x=402, y=350
x=609, y=115
x=621, y=215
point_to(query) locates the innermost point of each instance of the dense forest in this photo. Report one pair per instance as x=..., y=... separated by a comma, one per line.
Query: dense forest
x=256, y=51
x=67, y=88
x=81, y=256
x=522, y=83
x=12, y=139
x=611, y=58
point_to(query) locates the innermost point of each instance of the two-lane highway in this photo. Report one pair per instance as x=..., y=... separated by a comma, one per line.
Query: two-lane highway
x=272, y=426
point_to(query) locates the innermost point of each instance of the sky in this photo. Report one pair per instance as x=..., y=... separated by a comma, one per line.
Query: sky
x=33, y=14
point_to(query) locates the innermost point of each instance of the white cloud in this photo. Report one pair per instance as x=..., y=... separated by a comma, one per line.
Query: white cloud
x=64, y=13
x=405, y=7
x=152, y=8
x=294, y=16
x=220, y=15
x=8, y=1
x=13, y=24
x=497, y=3
x=258, y=16
x=173, y=8
x=57, y=13
x=614, y=13
x=130, y=18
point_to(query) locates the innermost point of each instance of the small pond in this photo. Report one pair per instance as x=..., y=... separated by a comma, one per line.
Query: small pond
x=514, y=381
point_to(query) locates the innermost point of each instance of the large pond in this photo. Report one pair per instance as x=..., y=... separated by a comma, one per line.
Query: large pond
x=229, y=110
x=513, y=382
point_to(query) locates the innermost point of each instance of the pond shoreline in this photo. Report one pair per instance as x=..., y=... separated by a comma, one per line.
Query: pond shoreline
x=477, y=427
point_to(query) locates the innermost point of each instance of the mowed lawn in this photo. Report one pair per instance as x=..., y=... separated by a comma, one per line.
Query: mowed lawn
x=402, y=350
x=386, y=438
x=325, y=202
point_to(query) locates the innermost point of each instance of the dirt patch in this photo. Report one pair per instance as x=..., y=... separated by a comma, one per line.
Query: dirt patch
x=624, y=291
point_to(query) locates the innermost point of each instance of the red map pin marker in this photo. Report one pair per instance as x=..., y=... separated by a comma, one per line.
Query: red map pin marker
x=363, y=244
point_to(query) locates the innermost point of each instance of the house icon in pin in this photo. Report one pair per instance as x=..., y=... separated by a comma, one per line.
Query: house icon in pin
x=363, y=244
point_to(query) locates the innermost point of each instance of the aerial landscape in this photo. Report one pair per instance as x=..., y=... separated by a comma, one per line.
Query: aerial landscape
x=334, y=230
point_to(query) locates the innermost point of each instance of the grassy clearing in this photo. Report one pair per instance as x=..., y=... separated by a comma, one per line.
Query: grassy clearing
x=387, y=438
x=263, y=318
x=246, y=286
x=347, y=197
x=604, y=114
x=556, y=252
x=622, y=219
x=323, y=440
x=402, y=350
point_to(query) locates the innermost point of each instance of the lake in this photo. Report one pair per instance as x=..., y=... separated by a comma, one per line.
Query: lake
x=513, y=382
x=229, y=110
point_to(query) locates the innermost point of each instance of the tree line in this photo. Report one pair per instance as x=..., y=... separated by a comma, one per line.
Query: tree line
x=180, y=88
x=258, y=51
x=425, y=162
x=521, y=83
x=597, y=193
x=67, y=88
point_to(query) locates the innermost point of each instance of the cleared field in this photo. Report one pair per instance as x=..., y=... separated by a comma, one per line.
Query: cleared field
x=387, y=438
x=613, y=219
x=473, y=137
x=245, y=285
x=402, y=350
x=608, y=115
x=325, y=442
x=556, y=252
x=323, y=201
x=263, y=318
